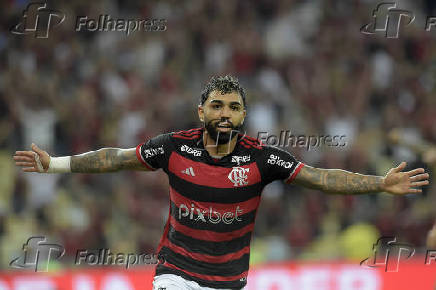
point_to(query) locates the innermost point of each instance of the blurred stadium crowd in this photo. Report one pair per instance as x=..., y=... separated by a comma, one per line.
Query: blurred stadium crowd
x=306, y=68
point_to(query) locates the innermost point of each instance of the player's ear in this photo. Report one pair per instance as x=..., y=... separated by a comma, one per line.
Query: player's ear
x=201, y=113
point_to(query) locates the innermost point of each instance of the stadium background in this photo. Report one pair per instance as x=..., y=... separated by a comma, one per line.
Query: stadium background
x=306, y=68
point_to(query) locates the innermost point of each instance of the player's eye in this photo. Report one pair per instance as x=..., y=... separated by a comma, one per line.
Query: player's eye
x=216, y=107
x=235, y=108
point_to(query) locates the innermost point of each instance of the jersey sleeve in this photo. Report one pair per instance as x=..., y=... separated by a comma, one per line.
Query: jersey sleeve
x=280, y=165
x=154, y=152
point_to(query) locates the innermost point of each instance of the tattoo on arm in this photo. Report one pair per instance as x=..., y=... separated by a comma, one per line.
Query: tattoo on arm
x=338, y=181
x=106, y=160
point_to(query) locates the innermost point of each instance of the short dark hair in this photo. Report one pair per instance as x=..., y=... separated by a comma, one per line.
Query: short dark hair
x=226, y=84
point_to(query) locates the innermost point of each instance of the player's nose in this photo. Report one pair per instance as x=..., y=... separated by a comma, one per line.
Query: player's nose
x=225, y=112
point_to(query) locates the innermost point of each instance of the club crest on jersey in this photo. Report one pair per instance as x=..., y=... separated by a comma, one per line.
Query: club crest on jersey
x=239, y=176
x=239, y=159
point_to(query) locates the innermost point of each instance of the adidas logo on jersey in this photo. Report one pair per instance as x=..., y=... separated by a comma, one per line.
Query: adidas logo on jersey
x=189, y=171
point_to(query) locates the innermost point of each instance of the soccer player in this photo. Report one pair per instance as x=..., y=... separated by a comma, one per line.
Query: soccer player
x=216, y=177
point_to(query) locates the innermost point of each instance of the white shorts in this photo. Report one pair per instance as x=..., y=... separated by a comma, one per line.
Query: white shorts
x=174, y=282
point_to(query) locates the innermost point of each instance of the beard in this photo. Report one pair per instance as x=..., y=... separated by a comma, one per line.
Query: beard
x=221, y=137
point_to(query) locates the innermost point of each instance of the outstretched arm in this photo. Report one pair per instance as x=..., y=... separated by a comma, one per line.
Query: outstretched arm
x=345, y=182
x=106, y=160
x=100, y=161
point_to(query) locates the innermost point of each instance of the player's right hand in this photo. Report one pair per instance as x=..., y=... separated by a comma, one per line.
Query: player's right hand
x=36, y=160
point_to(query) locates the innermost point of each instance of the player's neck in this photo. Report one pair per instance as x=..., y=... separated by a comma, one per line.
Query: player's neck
x=221, y=149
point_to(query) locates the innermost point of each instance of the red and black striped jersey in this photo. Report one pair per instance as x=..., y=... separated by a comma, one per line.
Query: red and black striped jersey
x=213, y=203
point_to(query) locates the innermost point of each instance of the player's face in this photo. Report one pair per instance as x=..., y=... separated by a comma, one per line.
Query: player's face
x=223, y=115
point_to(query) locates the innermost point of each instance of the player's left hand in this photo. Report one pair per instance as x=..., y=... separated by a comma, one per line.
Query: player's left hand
x=398, y=182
